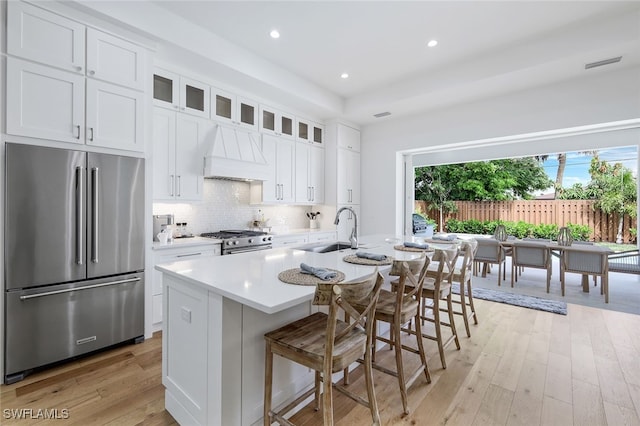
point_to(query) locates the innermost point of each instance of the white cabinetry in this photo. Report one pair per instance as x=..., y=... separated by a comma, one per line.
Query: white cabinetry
x=50, y=101
x=317, y=133
x=348, y=177
x=276, y=122
x=115, y=60
x=173, y=254
x=45, y=102
x=45, y=37
x=51, y=104
x=229, y=108
x=178, y=146
x=309, y=131
x=348, y=138
x=171, y=90
x=309, y=179
x=319, y=236
x=343, y=173
x=278, y=188
x=289, y=240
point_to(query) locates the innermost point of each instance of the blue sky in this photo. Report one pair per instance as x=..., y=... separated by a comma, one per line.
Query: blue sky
x=577, y=169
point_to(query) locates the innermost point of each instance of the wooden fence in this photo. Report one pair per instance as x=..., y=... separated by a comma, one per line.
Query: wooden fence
x=561, y=212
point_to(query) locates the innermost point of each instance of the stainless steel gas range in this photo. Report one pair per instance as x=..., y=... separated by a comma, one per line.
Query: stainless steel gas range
x=241, y=241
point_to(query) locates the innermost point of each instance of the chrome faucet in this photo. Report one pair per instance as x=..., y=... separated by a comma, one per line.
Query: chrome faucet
x=353, y=239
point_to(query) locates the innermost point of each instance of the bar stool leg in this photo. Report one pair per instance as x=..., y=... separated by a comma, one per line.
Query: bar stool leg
x=268, y=378
x=463, y=305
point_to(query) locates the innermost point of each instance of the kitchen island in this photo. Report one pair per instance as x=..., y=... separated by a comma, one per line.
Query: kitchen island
x=217, y=311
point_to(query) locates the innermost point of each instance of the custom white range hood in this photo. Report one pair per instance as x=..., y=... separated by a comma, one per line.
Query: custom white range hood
x=235, y=154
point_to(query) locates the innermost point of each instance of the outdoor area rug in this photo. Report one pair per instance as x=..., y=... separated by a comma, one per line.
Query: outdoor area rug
x=530, y=302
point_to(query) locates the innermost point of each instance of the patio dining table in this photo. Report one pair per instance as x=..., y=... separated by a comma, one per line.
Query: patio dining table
x=559, y=250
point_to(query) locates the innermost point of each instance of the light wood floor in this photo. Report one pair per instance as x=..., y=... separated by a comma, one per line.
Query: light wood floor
x=519, y=367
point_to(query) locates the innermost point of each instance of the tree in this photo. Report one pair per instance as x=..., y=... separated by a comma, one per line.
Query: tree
x=495, y=180
x=615, y=190
x=562, y=163
x=429, y=187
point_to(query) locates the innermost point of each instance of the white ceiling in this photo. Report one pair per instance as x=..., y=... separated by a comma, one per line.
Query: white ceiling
x=485, y=48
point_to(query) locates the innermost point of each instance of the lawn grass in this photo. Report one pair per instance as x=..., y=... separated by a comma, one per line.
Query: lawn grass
x=618, y=247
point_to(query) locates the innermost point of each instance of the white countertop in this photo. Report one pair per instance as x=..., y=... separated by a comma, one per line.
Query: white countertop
x=252, y=278
x=185, y=242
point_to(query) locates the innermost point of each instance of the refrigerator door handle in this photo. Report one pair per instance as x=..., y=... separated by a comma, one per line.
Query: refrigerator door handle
x=94, y=214
x=79, y=216
x=69, y=290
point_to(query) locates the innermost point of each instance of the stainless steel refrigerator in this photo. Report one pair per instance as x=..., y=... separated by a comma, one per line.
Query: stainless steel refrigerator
x=74, y=254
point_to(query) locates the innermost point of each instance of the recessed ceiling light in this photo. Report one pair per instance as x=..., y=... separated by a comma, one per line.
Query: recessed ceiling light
x=274, y=34
x=344, y=75
x=432, y=43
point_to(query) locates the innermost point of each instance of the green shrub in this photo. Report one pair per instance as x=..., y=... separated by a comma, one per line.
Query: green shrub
x=518, y=229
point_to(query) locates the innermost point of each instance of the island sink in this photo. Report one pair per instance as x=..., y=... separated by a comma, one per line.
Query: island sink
x=325, y=247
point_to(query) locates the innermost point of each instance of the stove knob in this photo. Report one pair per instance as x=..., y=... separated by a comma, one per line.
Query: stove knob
x=228, y=243
x=250, y=240
x=235, y=243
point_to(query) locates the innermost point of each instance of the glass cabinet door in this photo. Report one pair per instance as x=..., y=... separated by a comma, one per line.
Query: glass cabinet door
x=302, y=130
x=318, y=133
x=166, y=89
x=194, y=97
x=286, y=126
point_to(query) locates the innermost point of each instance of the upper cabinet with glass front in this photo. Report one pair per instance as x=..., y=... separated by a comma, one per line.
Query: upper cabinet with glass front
x=171, y=90
x=233, y=109
x=276, y=122
x=309, y=131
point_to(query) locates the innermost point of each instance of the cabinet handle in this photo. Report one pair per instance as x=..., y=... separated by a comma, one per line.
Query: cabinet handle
x=189, y=254
x=91, y=133
x=178, y=186
x=171, y=185
x=78, y=129
x=92, y=72
x=313, y=193
x=78, y=68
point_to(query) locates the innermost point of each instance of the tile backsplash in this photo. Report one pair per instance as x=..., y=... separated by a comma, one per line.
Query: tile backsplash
x=225, y=205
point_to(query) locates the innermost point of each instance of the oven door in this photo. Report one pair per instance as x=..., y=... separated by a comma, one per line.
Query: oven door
x=246, y=249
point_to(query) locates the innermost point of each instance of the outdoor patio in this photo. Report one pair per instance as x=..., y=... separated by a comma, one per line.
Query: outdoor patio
x=624, y=289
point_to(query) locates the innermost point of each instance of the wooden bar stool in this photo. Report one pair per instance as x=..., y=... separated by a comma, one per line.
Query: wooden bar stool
x=397, y=307
x=436, y=290
x=326, y=344
x=463, y=277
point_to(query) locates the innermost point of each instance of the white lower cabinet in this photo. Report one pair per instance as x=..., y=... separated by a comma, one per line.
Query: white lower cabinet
x=316, y=237
x=213, y=358
x=289, y=240
x=173, y=254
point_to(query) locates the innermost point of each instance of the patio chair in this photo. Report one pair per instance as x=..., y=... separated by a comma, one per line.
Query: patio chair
x=490, y=251
x=627, y=262
x=529, y=254
x=586, y=263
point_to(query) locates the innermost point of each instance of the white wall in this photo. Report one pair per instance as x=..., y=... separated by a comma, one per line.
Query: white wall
x=598, y=98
